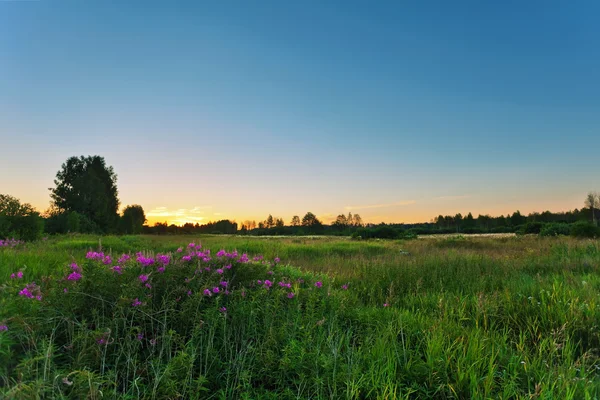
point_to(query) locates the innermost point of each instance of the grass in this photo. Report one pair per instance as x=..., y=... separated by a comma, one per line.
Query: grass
x=502, y=317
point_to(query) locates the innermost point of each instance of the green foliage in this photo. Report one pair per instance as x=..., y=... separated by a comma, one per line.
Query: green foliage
x=27, y=228
x=555, y=229
x=531, y=228
x=87, y=186
x=585, y=230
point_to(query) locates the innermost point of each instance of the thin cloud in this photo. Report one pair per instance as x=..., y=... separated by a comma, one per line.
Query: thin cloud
x=179, y=215
x=397, y=204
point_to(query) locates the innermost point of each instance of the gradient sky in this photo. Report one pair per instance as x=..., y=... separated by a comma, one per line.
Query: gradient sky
x=398, y=111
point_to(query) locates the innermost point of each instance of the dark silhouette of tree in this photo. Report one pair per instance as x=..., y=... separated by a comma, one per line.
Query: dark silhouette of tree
x=279, y=223
x=295, y=221
x=12, y=207
x=357, y=220
x=592, y=201
x=89, y=187
x=269, y=223
x=133, y=219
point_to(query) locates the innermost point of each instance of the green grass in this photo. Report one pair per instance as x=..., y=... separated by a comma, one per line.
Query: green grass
x=482, y=318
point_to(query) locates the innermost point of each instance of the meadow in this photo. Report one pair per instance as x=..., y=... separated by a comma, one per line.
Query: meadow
x=161, y=317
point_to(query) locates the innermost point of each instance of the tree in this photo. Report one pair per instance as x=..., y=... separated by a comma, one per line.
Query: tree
x=269, y=223
x=592, y=201
x=311, y=222
x=341, y=222
x=86, y=185
x=279, y=222
x=12, y=207
x=357, y=220
x=133, y=219
x=295, y=221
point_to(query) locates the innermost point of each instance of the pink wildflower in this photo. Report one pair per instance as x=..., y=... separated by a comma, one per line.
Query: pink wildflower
x=220, y=271
x=20, y=274
x=216, y=290
x=290, y=295
x=136, y=303
x=143, y=278
x=207, y=292
x=319, y=284
x=3, y=328
x=74, y=276
x=186, y=258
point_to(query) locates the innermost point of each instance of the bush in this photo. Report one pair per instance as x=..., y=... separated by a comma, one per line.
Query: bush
x=583, y=229
x=28, y=228
x=556, y=229
x=530, y=228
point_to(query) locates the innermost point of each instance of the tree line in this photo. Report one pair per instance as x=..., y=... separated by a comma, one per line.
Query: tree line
x=85, y=200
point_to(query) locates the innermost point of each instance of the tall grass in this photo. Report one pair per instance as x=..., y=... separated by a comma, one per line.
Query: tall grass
x=444, y=318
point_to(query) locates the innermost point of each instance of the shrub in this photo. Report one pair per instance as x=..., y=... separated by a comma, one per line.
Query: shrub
x=28, y=228
x=530, y=227
x=555, y=229
x=584, y=230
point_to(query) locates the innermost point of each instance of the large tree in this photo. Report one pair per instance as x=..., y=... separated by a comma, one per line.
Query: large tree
x=88, y=186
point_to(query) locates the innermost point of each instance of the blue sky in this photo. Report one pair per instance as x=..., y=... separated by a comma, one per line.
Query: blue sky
x=399, y=112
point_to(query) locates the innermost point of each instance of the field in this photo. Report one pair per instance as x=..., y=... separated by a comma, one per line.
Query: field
x=446, y=318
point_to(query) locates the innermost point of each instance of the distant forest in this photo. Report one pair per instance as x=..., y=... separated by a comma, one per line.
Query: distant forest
x=85, y=200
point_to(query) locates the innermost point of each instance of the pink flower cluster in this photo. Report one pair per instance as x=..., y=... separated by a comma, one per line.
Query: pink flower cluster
x=10, y=242
x=19, y=275
x=31, y=291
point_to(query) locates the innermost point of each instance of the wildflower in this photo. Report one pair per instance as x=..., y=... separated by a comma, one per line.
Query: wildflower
x=228, y=266
x=207, y=292
x=75, y=267
x=226, y=292
x=345, y=287
x=207, y=269
x=107, y=260
x=161, y=269
x=186, y=258
x=223, y=310
x=123, y=259
x=191, y=245
x=386, y=305
x=220, y=271
x=179, y=250
x=74, y=276
x=101, y=341
x=26, y=293
x=152, y=342
x=136, y=303
x=221, y=253
x=149, y=286
x=223, y=283
x=216, y=290
x=276, y=260
x=20, y=274
x=244, y=258
x=145, y=261
x=163, y=259
x=257, y=258
x=189, y=293
x=318, y=284
x=143, y=278
x=139, y=336
x=206, y=259
x=65, y=290
x=270, y=272
x=259, y=282
x=38, y=297
x=117, y=269
x=290, y=295
x=13, y=276
x=3, y=328
x=268, y=283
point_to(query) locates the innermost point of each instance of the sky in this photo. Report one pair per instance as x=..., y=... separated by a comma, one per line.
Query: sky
x=397, y=111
